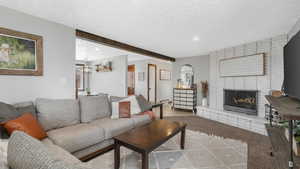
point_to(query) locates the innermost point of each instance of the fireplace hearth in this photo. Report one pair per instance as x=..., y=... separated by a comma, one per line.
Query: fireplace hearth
x=243, y=101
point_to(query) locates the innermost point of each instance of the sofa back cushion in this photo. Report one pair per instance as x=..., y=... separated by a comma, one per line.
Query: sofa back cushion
x=25, y=107
x=116, y=98
x=94, y=107
x=58, y=113
x=25, y=152
x=8, y=112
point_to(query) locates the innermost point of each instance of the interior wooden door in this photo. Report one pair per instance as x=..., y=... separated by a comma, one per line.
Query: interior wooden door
x=131, y=80
x=152, y=83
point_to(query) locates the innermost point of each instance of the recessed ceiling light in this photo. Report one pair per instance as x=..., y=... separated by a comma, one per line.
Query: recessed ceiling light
x=196, y=38
x=97, y=49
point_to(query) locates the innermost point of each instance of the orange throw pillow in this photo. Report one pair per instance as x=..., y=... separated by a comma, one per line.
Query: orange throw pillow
x=28, y=124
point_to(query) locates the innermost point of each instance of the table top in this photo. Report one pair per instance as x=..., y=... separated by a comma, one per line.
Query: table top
x=150, y=136
x=287, y=107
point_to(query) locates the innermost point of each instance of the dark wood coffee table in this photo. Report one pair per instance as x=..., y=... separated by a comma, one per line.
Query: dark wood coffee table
x=146, y=138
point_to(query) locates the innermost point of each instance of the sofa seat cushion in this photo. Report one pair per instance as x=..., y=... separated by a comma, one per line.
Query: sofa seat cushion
x=61, y=154
x=140, y=120
x=77, y=137
x=25, y=152
x=113, y=127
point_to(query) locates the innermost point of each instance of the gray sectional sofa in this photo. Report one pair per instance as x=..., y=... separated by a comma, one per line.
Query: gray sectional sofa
x=77, y=130
x=83, y=126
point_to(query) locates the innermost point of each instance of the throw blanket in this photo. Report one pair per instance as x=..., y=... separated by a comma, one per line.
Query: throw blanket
x=151, y=114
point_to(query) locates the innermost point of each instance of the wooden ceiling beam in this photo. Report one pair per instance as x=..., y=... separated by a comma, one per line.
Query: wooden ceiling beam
x=120, y=45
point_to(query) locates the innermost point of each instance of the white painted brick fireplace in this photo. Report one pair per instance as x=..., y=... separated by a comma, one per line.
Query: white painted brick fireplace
x=272, y=80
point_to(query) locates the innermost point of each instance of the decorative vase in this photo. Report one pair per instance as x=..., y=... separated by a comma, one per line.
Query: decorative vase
x=204, y=102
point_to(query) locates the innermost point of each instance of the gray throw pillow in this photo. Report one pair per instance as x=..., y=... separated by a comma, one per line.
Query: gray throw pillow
x=94, y=107
x=25, y=152
x=58, y=113
x=144, y=104
x=8, y=112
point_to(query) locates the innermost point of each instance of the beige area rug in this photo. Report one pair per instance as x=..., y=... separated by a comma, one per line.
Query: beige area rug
x=201, y=151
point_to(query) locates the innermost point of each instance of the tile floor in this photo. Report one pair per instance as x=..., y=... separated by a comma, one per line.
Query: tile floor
x=202, y=152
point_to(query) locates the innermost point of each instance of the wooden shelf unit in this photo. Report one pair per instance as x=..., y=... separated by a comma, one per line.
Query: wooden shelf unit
x=289, y=109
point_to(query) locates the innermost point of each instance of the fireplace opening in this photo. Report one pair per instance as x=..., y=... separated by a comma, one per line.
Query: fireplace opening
x=243, y=101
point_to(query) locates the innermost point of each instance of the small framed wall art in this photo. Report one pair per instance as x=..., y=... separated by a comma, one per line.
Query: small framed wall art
x=104, y=66
x=20, y=53
x=164, y=74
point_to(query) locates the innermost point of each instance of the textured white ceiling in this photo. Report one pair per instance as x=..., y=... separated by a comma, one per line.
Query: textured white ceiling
x=176, y=28
x=90, y=51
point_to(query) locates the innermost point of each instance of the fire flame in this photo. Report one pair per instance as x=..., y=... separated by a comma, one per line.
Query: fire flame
x=248, y=100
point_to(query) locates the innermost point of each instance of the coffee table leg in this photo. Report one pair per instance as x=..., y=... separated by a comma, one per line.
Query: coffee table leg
x=161, y=111
x=117, y=155
x=145, y=160
x=182, y=141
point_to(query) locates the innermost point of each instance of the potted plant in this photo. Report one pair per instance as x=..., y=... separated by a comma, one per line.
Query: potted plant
x=88, y=91
x=204, y=90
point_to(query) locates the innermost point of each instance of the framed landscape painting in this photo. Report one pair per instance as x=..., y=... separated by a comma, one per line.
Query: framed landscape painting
x=20, y=53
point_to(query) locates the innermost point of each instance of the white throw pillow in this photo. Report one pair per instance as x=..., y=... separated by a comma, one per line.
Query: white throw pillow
x=134, y=105
x=114, y=110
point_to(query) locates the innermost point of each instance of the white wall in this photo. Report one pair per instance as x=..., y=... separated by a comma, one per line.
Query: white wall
x=295, y=29
x=201, y=71
x=140, y=86
x=164, y=87
x=58, y=80
x=86, y=77
x=273, y=47
x=113, y=83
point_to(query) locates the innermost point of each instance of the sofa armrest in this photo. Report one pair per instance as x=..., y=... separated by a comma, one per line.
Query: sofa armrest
x=160, y=105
